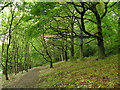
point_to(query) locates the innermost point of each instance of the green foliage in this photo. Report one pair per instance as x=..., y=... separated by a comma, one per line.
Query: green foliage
x=73, y=59
x=100, y=7
x=53, y=21
x=89, y=50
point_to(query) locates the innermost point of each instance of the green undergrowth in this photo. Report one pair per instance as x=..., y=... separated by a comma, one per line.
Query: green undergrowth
x=88, y=73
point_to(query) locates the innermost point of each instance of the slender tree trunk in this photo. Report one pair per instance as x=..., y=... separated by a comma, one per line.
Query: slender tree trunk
x=15, y=63
x=3, y=67
x=26, y=65
x=9, y=39
x=21, y=66
x=66, y=57
x=14, y=48
x=62, y=57
x=10, y=66
x=45, y=47
x=11, y=62
x=30, y=58
x=81, y=46
x=21, y=56
x=51, y=65
x=17, y=60
x=26, y=58
x=62, y=51
x=72, y=39
x=81, y=41
x=6, y=63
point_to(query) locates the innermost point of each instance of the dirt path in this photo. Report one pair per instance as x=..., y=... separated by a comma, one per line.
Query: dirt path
x=28, y=80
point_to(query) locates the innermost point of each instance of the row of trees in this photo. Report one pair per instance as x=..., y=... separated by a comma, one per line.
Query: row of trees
x=36, y=33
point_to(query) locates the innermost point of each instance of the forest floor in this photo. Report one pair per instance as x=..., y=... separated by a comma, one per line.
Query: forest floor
x=26, y=80
x=88, y=73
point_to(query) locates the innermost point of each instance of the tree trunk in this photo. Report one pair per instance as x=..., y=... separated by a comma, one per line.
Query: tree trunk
x=14, y=48
x=10, y=66
x=21, y=66
x=30, y=58
x=26, y=57
x=66, y=57
x=63, y=56
x=45, y=47
x=81, y=41
x=72, y=39
x=51, y=65
x=6, y=65
x=3, y=67
x=101, y=48
x=81, y=46
x=17, y=60
x=6, y=74
x=15, y=64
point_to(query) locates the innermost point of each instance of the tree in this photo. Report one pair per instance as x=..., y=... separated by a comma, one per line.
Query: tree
x=10, y=30
x=92, y=6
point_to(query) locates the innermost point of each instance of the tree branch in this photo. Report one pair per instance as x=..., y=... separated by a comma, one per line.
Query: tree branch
x=76, y=8
x=17, y=23
x=78, y=18
x=5, y=6
x=90, y=41
x=38, y=51
x=105, y=10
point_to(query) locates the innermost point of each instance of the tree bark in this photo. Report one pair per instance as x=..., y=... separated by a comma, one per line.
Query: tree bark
x=9, y=39
x=30, y=58
x=81, y=41
x=17, y=59
x=72, y=38
x=3, y=67
x=14, y=48
x=81, y=46
x=26, y=57
x=45, y=47
x=62, y=53
x=101, y=48
x=66, y=57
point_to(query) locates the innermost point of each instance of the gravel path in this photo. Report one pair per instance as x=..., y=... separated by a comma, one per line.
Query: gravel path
x=28, y=80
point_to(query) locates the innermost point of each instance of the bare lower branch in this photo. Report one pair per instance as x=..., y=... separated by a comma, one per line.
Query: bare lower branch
x=5, y=6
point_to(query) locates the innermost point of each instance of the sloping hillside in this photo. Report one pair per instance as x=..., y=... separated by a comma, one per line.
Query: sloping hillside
x=72, y=74
x=82, y=74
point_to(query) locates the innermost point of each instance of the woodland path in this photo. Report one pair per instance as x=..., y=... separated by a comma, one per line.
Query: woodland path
x=28, y=80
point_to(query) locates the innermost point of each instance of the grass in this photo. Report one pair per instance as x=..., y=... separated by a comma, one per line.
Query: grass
x=87, y=73
x=82, y=74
